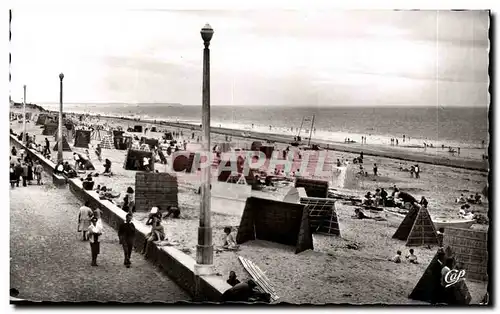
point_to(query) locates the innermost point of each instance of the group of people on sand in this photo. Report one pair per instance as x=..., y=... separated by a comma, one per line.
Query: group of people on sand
x=410, y=257
x=23, y=168
x=397, y=198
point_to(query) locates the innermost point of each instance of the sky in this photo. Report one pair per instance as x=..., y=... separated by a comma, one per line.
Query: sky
x=266, y=58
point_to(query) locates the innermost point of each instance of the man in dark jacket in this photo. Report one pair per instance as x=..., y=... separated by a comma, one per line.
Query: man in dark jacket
x=126, y=234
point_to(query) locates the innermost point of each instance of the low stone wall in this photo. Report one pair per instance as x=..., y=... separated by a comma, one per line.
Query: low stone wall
x=175, y=264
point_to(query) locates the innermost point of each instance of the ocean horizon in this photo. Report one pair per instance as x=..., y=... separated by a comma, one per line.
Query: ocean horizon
x=453, y=126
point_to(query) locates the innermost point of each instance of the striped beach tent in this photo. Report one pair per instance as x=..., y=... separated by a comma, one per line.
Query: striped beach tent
x=107, y=142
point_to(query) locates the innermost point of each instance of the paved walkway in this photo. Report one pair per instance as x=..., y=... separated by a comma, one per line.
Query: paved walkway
x=49, y=262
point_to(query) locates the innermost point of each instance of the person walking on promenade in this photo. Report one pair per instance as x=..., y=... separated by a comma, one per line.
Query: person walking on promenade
x=24, y=173
x=47, y=147
x=126, y=234
x=38, y=169
x=95, y=231
x=84, y=217
x=13, y=177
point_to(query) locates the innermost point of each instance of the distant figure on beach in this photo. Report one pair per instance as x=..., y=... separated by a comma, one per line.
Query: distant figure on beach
x=270, y=127
x=375, y=169
x=362, y=139
x=412, y=171
x=458, y=151
x=404, y=138
x=417, y=172
x=252, y=125
x=482, y=144
x=397, y=142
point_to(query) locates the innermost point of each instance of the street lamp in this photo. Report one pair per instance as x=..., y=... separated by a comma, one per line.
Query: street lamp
x=60, y=132
x=24, y=115
x=204, y=249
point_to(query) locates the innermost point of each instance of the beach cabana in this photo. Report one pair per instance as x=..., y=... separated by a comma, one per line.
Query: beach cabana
x=134, y=160
x=65, y=145
x=314, y=188
x=82, y=138
x=275, y=221
x=417, y=228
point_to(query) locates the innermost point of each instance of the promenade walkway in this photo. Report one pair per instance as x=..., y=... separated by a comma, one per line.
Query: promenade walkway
x=49, y=262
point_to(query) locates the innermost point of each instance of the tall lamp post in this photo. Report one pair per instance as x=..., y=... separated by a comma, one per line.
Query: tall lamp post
x=60, y=132
x=24, y=115
x=204, y=249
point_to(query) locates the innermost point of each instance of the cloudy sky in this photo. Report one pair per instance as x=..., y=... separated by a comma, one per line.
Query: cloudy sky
x=327, y=58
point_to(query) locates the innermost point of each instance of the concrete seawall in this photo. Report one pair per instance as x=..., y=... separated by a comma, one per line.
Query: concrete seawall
x=174, y=263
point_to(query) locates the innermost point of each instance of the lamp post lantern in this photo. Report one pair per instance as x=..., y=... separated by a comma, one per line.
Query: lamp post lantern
x=204, y=249
x=60, y=132
x=24, y=115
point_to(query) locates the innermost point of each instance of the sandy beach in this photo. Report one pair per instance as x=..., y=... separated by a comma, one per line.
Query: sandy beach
x=339, y=270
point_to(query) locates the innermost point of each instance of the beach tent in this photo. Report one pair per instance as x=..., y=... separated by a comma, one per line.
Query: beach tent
x=471, y=250
x=314, y=188
x=155, y=189
x=138, y=128
x=322, y=215
x=96, y=134
x=168, y=136
x=275, y=221
x=152, y=142
x=50, y=129
x=417, y=228
x=134, y=160
x=107, y=142
x=267, y=150
x=65, y=145
x=122, y=142
x=41, y=119
x=255, y=146
x=429, y=289
x=82, y=138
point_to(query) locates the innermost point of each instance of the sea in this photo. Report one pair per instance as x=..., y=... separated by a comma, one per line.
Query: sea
x=464, y=127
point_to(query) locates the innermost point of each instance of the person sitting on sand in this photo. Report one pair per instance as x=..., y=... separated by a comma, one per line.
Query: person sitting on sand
x=397, y=258
x=411, y=257
x=13, y=151
x=107, y=167
x=228, y=239
x=232, y=280
x=174, y=211
x=368, y=199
